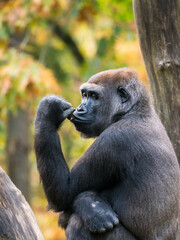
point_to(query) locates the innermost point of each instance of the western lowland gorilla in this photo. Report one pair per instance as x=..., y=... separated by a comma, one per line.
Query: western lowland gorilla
x=127, y=184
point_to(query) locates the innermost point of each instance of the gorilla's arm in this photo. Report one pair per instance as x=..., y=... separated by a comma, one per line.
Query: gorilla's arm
x=93, y=171
x=53, y=170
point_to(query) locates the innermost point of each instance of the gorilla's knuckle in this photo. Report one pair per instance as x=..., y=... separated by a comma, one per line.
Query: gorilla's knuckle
x=49, y=99
x=59, y=102
x=51, y=103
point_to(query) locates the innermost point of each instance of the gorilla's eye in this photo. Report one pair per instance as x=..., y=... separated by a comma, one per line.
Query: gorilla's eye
x=84, y=94
x=94, y=96
x=123, y=94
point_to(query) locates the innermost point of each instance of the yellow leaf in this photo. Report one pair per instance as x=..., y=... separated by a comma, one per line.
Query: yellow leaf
x=6, y=85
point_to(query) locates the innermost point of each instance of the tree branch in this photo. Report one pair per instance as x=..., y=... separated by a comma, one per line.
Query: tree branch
x=67, y=39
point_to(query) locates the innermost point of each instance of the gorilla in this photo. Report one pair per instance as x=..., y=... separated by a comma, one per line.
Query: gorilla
x=126, y=186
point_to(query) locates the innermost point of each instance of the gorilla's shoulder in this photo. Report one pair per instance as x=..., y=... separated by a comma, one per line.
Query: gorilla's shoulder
x=125, y=136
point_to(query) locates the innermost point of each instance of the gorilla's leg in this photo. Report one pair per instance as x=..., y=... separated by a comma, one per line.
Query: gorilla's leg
x=76, y=230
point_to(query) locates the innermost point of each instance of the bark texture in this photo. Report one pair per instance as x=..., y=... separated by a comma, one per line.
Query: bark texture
x=18, y=147
x=158, y=27
x=17, y=221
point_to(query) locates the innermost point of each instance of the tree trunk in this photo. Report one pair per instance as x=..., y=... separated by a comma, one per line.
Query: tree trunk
x=158, y=26
x=18, y=147
x=17, y=221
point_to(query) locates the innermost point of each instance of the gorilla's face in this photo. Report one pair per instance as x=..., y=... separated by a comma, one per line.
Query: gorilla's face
x=100, y=107
x=108, y=97
x=87, y=117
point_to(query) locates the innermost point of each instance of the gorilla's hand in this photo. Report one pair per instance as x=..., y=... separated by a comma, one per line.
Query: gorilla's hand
x=52, y=111
x=95, y=212
x=100, y=217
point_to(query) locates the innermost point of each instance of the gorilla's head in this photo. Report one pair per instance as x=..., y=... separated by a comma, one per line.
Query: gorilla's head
x=108, y=97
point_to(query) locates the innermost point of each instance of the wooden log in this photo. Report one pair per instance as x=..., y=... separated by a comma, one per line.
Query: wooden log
x=17, y=221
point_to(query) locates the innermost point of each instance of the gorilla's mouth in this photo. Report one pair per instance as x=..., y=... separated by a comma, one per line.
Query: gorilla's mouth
x=78, y=119
x=73, y=117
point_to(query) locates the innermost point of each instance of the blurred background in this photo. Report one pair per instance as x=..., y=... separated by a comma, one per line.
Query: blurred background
x=52, y=47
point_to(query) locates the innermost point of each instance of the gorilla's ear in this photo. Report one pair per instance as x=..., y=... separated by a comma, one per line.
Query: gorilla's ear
x=123, y=94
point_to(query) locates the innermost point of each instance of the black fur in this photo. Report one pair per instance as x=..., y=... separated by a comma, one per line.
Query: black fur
x=129, y=173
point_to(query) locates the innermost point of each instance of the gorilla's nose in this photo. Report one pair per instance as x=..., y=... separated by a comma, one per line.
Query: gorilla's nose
x=81, y=109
